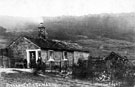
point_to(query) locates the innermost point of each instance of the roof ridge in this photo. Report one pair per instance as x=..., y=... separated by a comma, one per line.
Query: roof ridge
x=55, y=44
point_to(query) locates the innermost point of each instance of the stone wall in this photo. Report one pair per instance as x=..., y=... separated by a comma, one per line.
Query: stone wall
x=58, y=56
x=70, y=56
x=78, y=55
x=17, y=50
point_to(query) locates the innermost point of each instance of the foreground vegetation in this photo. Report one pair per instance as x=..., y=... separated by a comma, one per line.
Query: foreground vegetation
x=117, y=71
x=23, y=79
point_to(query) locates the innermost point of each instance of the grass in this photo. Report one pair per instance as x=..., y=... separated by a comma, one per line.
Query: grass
x=54, y=81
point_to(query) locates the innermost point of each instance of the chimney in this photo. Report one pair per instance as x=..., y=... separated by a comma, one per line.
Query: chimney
x=42, y=31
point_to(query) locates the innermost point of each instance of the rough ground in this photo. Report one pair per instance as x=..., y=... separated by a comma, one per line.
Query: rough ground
x=19, y=78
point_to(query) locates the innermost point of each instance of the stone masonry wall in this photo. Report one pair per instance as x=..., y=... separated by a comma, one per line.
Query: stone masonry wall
x=17, y=50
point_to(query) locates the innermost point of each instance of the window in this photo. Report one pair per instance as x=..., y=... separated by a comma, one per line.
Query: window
x=50, y=55
x=65, y=55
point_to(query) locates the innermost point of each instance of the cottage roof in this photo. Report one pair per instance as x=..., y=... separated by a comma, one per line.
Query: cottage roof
x=116, y=56
x=56, y=44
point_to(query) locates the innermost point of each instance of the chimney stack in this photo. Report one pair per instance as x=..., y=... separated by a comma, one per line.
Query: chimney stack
x=42, y=31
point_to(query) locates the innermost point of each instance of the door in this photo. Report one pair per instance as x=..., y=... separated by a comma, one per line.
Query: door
x=32, y=57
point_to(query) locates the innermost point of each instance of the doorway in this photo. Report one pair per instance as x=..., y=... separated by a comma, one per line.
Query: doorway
x=32, y=56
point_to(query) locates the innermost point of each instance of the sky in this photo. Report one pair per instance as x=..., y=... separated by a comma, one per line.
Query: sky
x=52, y=8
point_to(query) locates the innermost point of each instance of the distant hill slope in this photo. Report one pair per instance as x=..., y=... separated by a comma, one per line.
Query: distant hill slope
x=114, y=26
x=100, y=33
x=102, y=47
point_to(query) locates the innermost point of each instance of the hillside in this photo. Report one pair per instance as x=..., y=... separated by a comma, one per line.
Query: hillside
x=104, y=46
x=112, y=26
x=100, y=33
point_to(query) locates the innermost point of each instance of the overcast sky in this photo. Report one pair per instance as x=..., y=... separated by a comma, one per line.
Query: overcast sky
x=36, y=8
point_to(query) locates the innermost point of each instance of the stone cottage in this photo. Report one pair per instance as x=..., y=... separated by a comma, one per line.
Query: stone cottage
x=29, y=48
x=115, y=60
